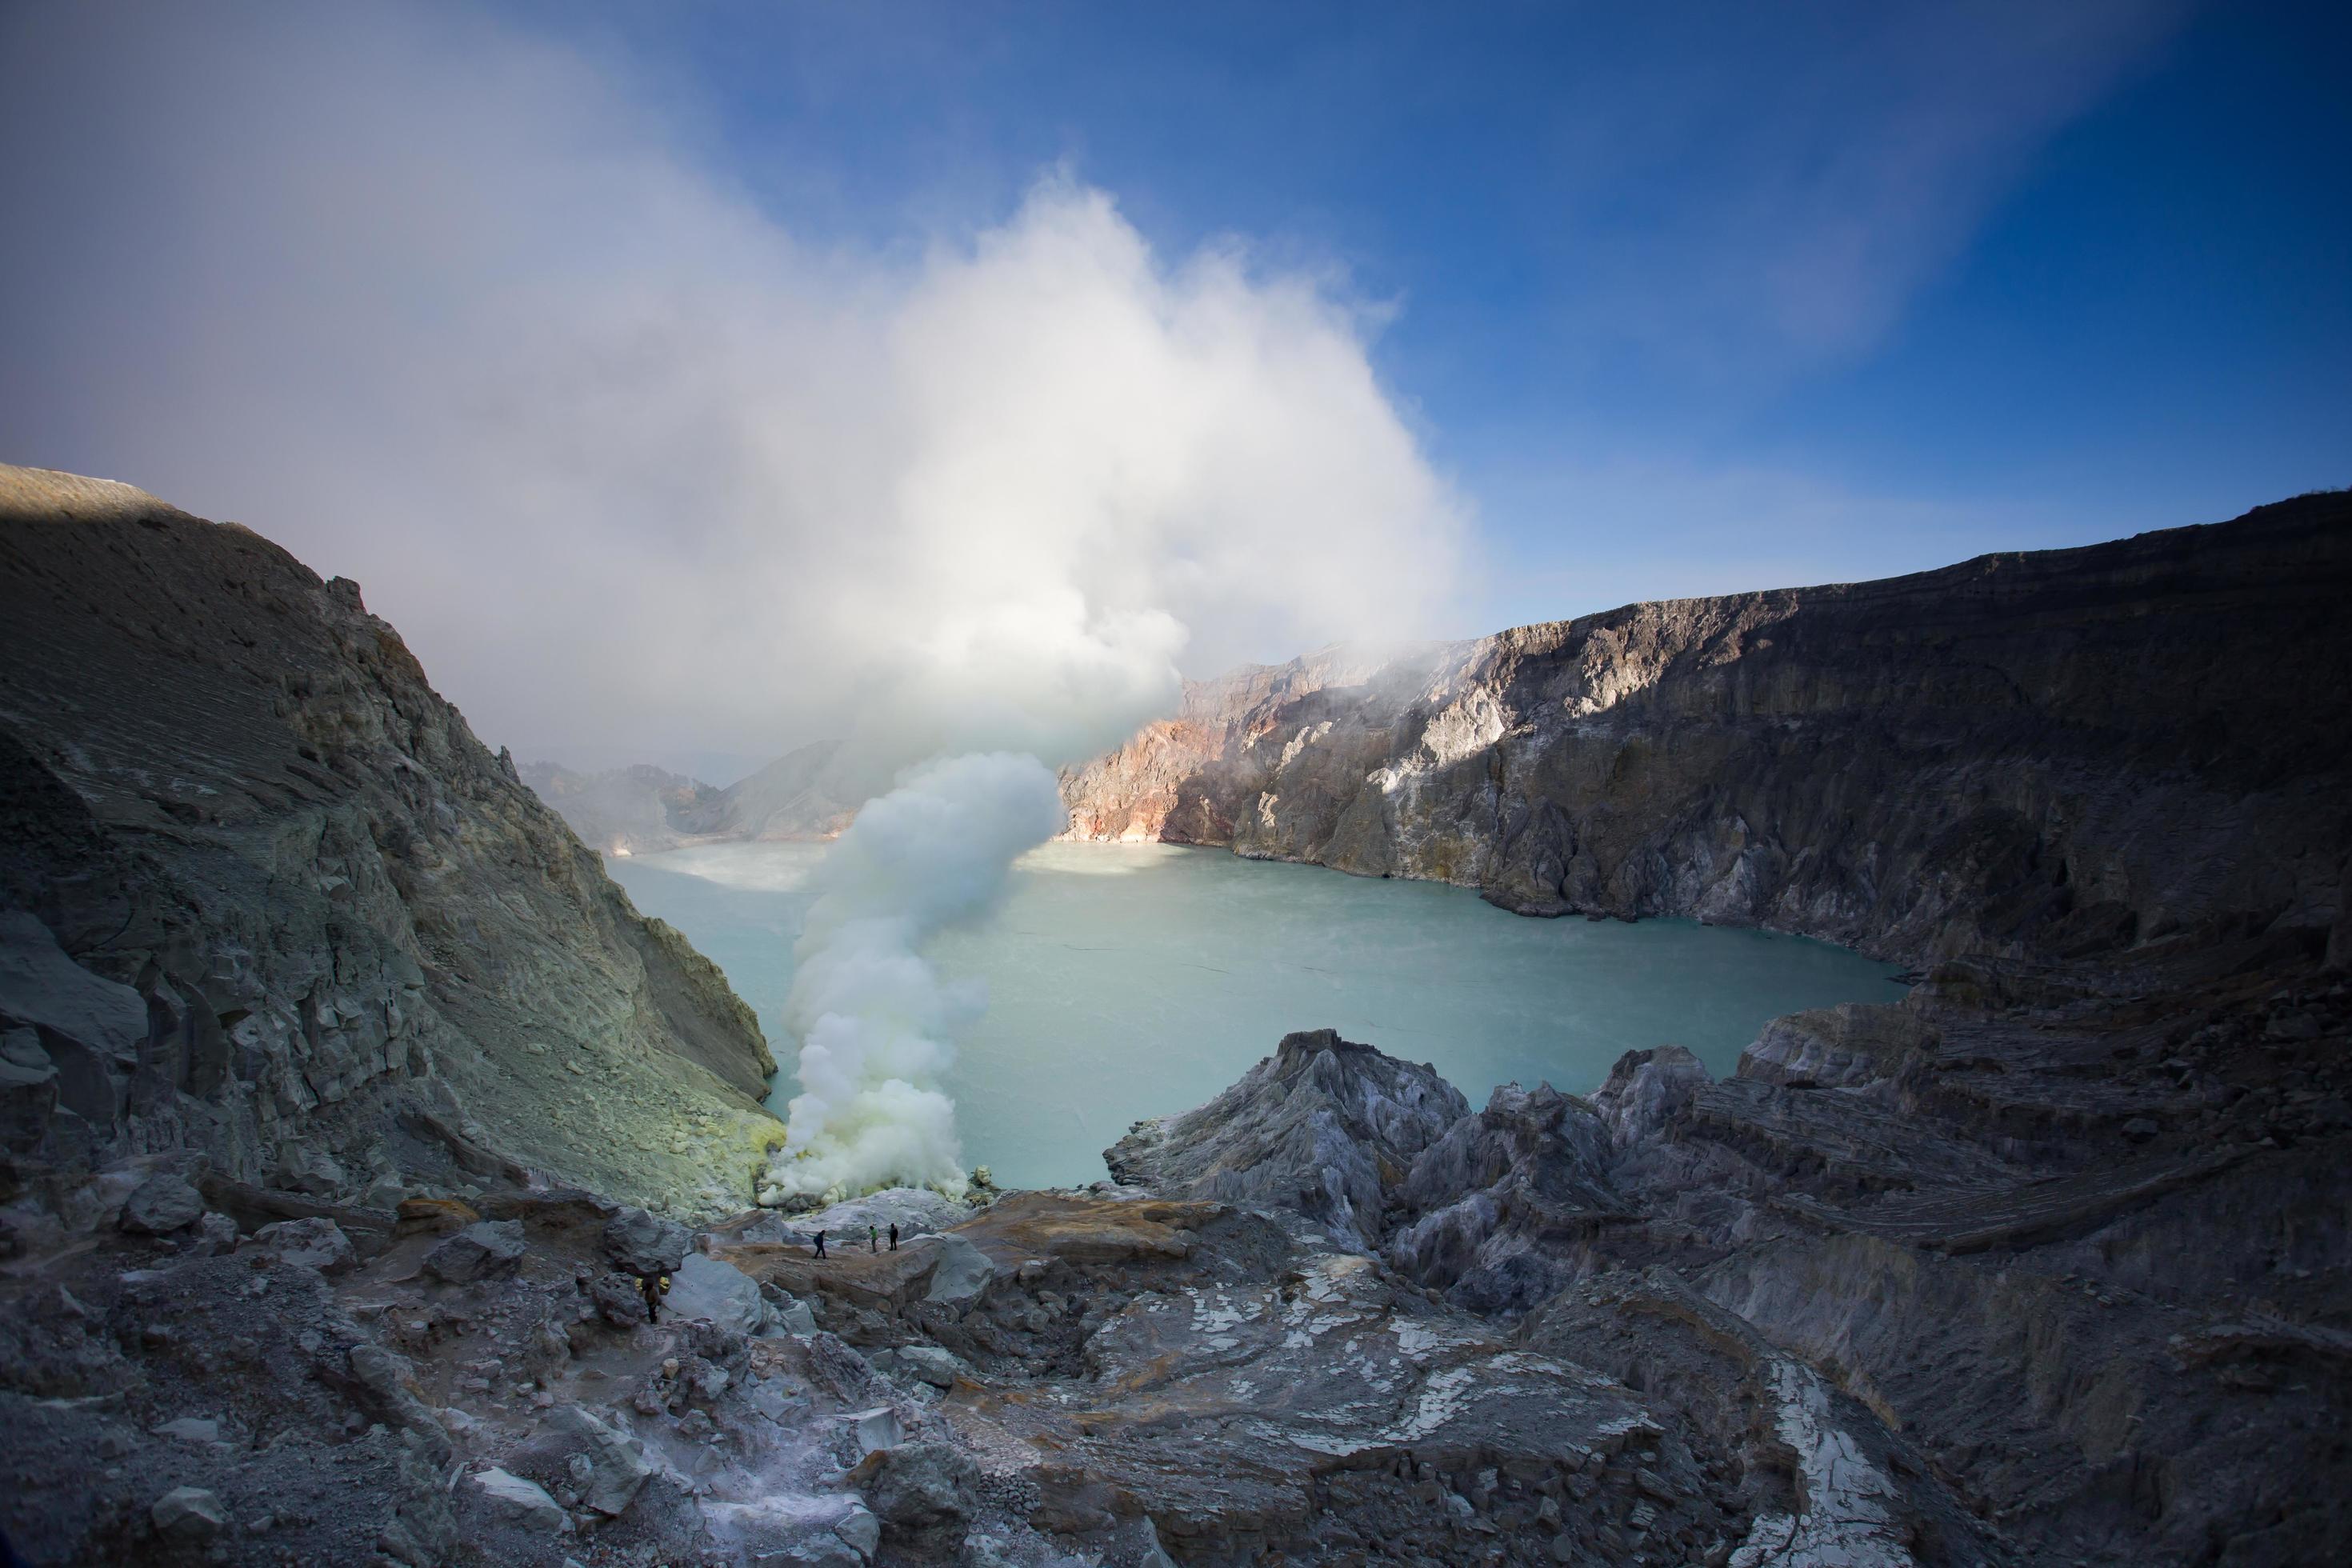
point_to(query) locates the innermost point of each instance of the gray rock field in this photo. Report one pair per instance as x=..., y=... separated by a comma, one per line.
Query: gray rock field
x=353, y=1119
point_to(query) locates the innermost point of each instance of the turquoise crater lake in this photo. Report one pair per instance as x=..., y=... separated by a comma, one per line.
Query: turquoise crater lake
x=1128, y=981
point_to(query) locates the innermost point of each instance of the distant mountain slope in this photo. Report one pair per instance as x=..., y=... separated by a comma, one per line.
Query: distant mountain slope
x=798, y=795
x=640, y=810
x=2063, y=751
x=263, y=894
x=634, y=810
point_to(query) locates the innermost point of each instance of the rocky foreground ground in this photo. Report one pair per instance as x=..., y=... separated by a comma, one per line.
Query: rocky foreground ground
x=1978, y=1277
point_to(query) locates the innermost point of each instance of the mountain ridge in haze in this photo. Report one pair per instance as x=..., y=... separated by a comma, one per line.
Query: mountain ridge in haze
x=644, y=809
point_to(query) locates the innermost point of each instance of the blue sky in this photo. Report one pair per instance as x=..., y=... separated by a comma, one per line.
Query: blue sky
x=2077, y=277
x=689, y=381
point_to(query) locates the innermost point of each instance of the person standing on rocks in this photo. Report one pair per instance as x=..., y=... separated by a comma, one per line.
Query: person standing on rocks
x=894, y=1237
x=820, y=1244
x=873, y=1239
x=655, y=1286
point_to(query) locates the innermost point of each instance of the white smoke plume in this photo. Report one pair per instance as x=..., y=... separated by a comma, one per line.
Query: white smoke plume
x=878, y=1024
x=464, y=312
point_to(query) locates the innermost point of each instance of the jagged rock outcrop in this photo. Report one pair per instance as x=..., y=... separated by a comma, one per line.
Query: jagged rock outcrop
x=1324, y=1127
x=2062, y=751
x=1500, y=1203
x=264, y=898
x=1963, y=1315
x=2046, y=1260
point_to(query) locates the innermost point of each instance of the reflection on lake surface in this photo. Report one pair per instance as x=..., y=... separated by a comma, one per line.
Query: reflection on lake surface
x=1128, y=981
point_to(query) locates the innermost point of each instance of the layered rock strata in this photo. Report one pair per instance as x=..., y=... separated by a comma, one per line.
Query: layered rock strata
x=2062, y=751
x=266, y=901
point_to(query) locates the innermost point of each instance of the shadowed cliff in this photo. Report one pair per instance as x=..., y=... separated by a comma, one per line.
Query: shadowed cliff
x=2062, y=751
x=266, y=896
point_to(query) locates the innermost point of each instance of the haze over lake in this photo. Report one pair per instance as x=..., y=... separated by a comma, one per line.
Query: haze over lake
x=1126, y=981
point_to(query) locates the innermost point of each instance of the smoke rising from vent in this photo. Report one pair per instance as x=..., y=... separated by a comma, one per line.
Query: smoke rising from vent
x=878, y=1024
x=465, y=314
x=459, y=312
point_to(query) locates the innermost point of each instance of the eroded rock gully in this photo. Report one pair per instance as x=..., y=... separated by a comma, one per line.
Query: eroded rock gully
x=317, y=1251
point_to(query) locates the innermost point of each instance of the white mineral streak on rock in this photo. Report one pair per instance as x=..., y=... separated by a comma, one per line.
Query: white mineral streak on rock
x=1846, y=1521
x=1442, y=1399
x=1460, y=731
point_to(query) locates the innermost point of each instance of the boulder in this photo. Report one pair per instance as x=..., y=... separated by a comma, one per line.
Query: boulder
x=161, y=1205
x=918, y=1486
x=390, y=1379
x=859, y=1531
x=641, y=1243
x=522, y=1502
x=703, y=1286
x=316, y=1243
x=302, y=1169
x=962, y=1272
x=215, y=1234
x=877, y=1429
x=483, y=1250
x=189, y=1514
x=384, y=1192
x=610, y=1465
x=916, y=1211
x=787, y=1313
x=617, y=1299
x=923, y=1364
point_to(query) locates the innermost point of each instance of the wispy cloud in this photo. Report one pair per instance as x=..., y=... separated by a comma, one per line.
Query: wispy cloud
x=453, y=311
x=1768, y=188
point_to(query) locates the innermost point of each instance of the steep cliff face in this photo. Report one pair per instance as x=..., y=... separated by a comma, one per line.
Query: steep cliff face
x=2064, y=751
x=273, y=902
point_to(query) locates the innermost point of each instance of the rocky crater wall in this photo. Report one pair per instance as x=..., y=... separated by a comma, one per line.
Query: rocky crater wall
x=2056, y=752
x=265, y=900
